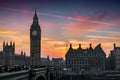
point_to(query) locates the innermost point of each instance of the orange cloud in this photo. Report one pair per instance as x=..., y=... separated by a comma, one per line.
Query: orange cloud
x=82, y=18
x=80, y=28
x=21, y=41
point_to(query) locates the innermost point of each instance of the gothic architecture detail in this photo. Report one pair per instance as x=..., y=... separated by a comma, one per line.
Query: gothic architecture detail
x=8, y=53
x=87, y=59
x=35, y=41
x=113, y=60
x=9, y=58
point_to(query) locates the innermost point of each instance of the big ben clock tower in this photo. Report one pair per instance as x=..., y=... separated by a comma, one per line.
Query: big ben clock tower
x=35, y=41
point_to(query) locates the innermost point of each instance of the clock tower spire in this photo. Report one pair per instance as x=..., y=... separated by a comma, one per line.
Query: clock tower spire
x=35, y=41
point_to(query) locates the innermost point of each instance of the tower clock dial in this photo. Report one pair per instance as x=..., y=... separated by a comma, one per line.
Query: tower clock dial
x=34, y=33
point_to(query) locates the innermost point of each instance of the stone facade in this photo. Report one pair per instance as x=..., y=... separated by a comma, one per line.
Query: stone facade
x=9, y=58
x=87, y=59
x=35, y=41
x=8, y=54
x=114, y=59
x=58, y=63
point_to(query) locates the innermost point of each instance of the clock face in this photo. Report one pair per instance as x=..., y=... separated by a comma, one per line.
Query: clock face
x=34, y=33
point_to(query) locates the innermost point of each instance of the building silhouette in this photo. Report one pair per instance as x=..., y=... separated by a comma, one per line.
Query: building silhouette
x=9, y=58
x=113, y=60
x=35, y=41
x=87, y=59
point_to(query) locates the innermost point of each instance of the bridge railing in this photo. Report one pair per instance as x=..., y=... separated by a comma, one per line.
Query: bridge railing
x=23, y=75
x=40, y=70
x=15, y=75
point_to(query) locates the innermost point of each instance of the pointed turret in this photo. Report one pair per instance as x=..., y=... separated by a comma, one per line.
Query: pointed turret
x=10, y=43
x=35, y=15
x=90, y=46
x=90, y=50
x=35, y=24
x=35, y=18
x=3, y=45
x=114, y=46
x=98, y=49
x=79, y=48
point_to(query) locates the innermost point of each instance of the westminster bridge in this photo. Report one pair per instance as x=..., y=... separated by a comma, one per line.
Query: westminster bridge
x=36, y=74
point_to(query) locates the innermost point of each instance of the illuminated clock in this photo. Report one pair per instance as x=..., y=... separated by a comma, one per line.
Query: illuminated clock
x=34, y=33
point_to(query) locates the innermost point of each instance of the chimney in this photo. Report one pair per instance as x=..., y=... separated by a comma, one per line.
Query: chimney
x=100, y=44
x=70, y=45
x=79, y=45
x=90, y=45
x=14, y=44
x=3, y=45
x=10, y=43
x=21, y=53
x=7, y=44
x=114, y=46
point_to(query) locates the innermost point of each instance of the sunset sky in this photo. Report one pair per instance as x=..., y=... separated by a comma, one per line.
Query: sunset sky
x=62, y=22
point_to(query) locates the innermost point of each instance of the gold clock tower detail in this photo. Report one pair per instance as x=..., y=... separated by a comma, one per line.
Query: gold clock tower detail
x=35, y=41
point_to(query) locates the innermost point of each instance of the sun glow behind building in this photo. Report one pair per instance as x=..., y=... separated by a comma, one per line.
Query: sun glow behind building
x=62, y=23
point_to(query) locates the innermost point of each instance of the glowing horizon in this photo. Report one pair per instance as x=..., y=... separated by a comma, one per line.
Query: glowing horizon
x=81, y=24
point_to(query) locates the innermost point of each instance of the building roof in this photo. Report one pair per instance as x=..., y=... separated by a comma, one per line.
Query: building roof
x=89, y=51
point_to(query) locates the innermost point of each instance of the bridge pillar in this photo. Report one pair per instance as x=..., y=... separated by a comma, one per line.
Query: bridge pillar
x=49, y=75
x=32, y=74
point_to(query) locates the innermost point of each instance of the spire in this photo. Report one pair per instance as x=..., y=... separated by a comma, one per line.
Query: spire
x=90, y=48
x=35, y=15
x=35, y=18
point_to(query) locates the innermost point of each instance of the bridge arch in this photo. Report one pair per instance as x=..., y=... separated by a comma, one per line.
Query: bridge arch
x=40, y=78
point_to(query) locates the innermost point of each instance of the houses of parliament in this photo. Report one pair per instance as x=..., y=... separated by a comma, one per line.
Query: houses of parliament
x=8, y=56
x=76, y=59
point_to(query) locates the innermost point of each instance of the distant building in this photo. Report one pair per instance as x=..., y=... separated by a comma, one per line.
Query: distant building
x=45, y=61
x=58, y=63
x=8, y=54
x=113, y=59
x=87, y=59
x=9, y=58
x=21, y=59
